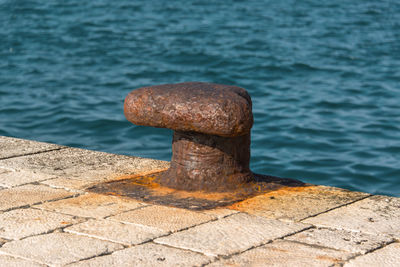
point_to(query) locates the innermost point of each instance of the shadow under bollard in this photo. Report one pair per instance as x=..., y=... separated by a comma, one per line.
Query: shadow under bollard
x=148, y=189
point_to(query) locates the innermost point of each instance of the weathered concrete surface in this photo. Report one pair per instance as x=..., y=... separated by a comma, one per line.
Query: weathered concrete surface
x=73, y=185
x=14, y=178
x=285, y=253
x=388, y=256
x=219, y=212
x=30, y=194
x=163, y=218
x=92, y=205
x=354, y=242
x=126, y=234
x=297, y=203
x=13, y=147
x=58, y=248
x=3, y=170
x=148, y=255
x=375, y=215
x=20, y=223
x=9, y=261
x=48, y=219
x=231, y=234
x=84, y=164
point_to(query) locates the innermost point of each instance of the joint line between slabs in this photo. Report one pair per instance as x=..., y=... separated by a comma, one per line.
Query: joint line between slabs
x=142, y=205
x=55, y=230
x=340, y=206
x=22, y=257
x=33, y=153
x=38, y=203
x=40, y=182
x=151, y=240
x=371, y=250
x=218, y=258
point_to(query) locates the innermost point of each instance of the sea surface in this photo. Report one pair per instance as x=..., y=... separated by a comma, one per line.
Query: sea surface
x=324, y=77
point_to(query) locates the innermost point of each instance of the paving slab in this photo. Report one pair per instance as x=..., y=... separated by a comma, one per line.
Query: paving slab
x=20, y=223
x=379, y=215
x=15, y=178
x=388, y=256
x=47, y=217
x=58, y=249
x=28, y=195
x=14, y=147
x=92, y=205
x=354, y=242
x=126, y=234
x=85, y=165
x=150, y=255
x=164, y=218
x=286, y=253
x=297, y=203
x=74, y=185
x=8, y=261
x=219, y=212
x=232, y=234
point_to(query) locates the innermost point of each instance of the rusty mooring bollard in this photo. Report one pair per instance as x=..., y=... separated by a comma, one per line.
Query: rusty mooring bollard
x=211, y=123
x=210, y=147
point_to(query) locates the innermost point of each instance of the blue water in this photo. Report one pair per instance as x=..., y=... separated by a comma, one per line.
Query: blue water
x=324, y=77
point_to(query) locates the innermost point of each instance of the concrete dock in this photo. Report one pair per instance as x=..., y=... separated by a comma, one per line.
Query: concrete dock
x=47, y=218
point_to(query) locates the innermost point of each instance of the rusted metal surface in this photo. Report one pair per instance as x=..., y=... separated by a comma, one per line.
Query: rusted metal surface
x=208, y=162
x=212, y=122
x=148, y=189
x=193, y=107
x=211, y=147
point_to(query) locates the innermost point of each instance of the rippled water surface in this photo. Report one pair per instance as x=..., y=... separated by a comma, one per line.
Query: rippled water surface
x=324, y=77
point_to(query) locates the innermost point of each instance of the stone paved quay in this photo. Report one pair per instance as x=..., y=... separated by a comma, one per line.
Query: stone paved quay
x=48, y=219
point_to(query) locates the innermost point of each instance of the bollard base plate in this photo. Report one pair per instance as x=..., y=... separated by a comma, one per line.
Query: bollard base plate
x=148, y=189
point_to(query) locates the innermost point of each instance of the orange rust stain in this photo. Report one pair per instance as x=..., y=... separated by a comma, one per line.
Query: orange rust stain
x=289, y=190
x=243, y=191
x=260, y=201
x=149, y=189
x=86, y=200
x=159, y=190
x=92, y=199
x=136, y=175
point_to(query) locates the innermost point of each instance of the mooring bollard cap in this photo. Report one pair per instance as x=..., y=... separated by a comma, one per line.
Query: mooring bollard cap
x=207, y=108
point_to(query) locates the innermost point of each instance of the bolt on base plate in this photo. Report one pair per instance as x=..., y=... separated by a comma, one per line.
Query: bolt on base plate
x=148, y=189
